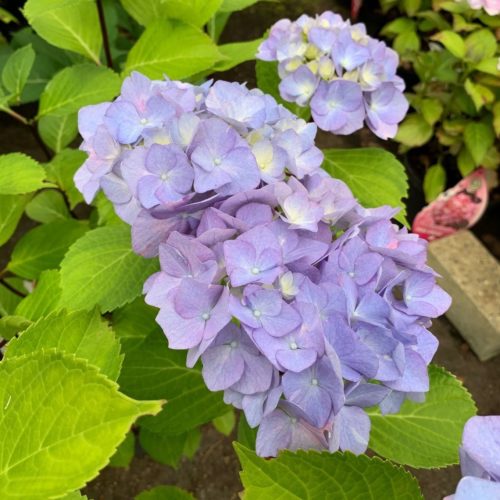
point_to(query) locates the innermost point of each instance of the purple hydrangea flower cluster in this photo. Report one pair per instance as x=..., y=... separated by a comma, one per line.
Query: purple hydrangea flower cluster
x=480, y=460
x=304, y=307
x=345, y=76
x=166, y=149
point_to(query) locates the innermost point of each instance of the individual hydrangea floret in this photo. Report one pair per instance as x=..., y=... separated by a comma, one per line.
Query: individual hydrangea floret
x=344, y=75
x=304, y=307
x=492, y=7
x=479, y=460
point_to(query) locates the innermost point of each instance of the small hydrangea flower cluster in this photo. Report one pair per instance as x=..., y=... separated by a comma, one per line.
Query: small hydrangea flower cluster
x=304, y=307
x=345, y=76
x=480, y=460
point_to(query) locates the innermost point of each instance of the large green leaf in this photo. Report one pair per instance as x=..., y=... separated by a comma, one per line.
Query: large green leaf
x=57, y=131
x=268, y=81
x=174, y=49
x=17, y=69
x=312, y=475
x=78, y=86
x=43, y=299
x=11, y=208
x=68, y=24
x=20, y=174
x=152, y=370
x=81, y=333
x=425, y=434
x=374, y=176
x=44, y=247
x=61, y=170
x=47, y=206
x=60, y=421
x=102, y=269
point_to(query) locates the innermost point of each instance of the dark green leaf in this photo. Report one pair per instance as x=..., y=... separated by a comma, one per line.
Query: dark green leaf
x=44, y=247
x=124, y=453
x=152, y=368
x=168, y=450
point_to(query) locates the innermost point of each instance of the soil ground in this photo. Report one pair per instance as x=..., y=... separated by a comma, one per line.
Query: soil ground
x=213, y=473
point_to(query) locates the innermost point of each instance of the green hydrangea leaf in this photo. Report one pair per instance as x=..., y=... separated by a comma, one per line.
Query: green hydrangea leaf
x=374, y=176
x=225, y=423
x=124, y=453
x=44, y=247
x=434, y=182
x=452, y=41
x=43, y=299
x=478, y=138
x=61, y=420
x=81, y=333
x=425, y=434
x=47, y=206
x=17, y=69
x=20, y=174
x=67, y=24
x=167, y=449
x=61, y=171
x=77, y=86
x=57, y=131
x=151, y=368
x=414, y=131
x=172, y=48
x=11, y=208
x=312, y=475
x=133, y=322
x=102, y=269
x=235, y=5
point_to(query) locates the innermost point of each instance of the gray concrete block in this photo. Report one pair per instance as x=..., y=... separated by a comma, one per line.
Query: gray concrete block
x=471, y=275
